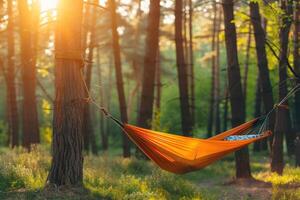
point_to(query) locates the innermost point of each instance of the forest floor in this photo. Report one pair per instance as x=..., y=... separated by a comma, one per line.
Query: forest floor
x=23, y=176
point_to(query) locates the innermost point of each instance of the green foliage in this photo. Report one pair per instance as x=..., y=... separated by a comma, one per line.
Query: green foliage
x=23, y=176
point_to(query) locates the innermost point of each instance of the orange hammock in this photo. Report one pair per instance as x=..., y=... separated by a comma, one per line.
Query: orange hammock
x=180, y=154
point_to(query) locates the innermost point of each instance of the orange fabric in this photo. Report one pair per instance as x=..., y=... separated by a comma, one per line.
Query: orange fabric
x=179, y=154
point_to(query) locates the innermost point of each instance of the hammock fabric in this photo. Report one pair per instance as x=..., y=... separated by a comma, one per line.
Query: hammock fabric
x=179, y=154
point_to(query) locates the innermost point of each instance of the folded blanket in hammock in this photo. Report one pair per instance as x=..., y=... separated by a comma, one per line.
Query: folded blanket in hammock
x=241, y=137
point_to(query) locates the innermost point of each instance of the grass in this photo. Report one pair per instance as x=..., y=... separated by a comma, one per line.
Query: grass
x=23, y=176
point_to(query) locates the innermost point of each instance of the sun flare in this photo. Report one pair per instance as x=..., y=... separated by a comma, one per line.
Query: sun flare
x=48, y=4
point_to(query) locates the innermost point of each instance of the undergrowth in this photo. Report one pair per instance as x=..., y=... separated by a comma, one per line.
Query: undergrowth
x=23, y=176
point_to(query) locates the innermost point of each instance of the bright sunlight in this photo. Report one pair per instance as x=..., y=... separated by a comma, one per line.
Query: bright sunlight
x=48, y=4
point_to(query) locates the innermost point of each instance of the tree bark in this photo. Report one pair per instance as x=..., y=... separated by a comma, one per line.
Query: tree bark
x=186, y=124
x=30, y=115
x=237, y=100
x=13, y=118
x=260, y=43
x=248, y=46
x=282, y=125
x=118, y=73
x=67, y=145
x=150, y=62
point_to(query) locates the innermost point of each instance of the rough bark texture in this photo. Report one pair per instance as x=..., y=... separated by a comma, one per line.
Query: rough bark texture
x=88, y=129
x=260, y=43
x=13, y=118
x=28, y=70
x=67, y=160
x=247, y=59
x=186, y=123
x=282, y=125
x=237, y=100
x=118, y=73
x=150, y=62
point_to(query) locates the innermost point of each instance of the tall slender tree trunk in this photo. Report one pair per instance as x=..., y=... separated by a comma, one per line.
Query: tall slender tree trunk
x=119, y=76
x=13, y=118
x=217, y=119
x=150, y=62
x=158, y=82
x=237, y=100
x=297, y=69
x=67, y=145
x=257, y=111
x=30, y=115
x=191, y=64
x=247, y=59
x=213, y=75
x=260, y=44
x=186, y=124
x=103, y=132
x=282, y=125
x=88, y=129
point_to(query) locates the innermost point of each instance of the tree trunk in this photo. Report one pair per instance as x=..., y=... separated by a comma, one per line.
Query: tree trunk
x=191, y=64
x=247, y=62
x=13, y=118
x=260, y=41
x=217, y=119
x=158, y=82
x=237, y=100
x=150, y=62
x=297, y=69
x=213, y=75
x=257, y=111
x=30, y=115
x=186, y=124
x=88, y=129
x=119, y=77
x=67, y=159
x=103, y=132
x=282, y=125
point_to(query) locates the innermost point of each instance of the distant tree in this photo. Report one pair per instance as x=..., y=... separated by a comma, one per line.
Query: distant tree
x=13, y=118
x=67, y=145
x=88, y=129
x=118, y=72
x=260, y=43
x=150, y=63
x=28, y=71
x=186, y=123
x=237, y=100
x=257, y=112
x=282, y=125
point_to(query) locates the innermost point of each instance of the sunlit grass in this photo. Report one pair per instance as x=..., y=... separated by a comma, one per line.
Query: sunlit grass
x=23, y=176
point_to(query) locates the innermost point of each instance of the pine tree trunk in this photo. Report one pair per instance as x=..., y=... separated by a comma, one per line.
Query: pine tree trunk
x=118, y=73
x=28, y=71
x=213, y=75
x=186, y=124
x=191, y=64
x=260, y=41
x=88, y=129
x=247, y=62
x=103, y=132
x=282, y=125
x=150, y=62
x=257, y=111
x=67, y=160
x=237, y=100
x=13, y=118
x=217, y=119
x=297, y=69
